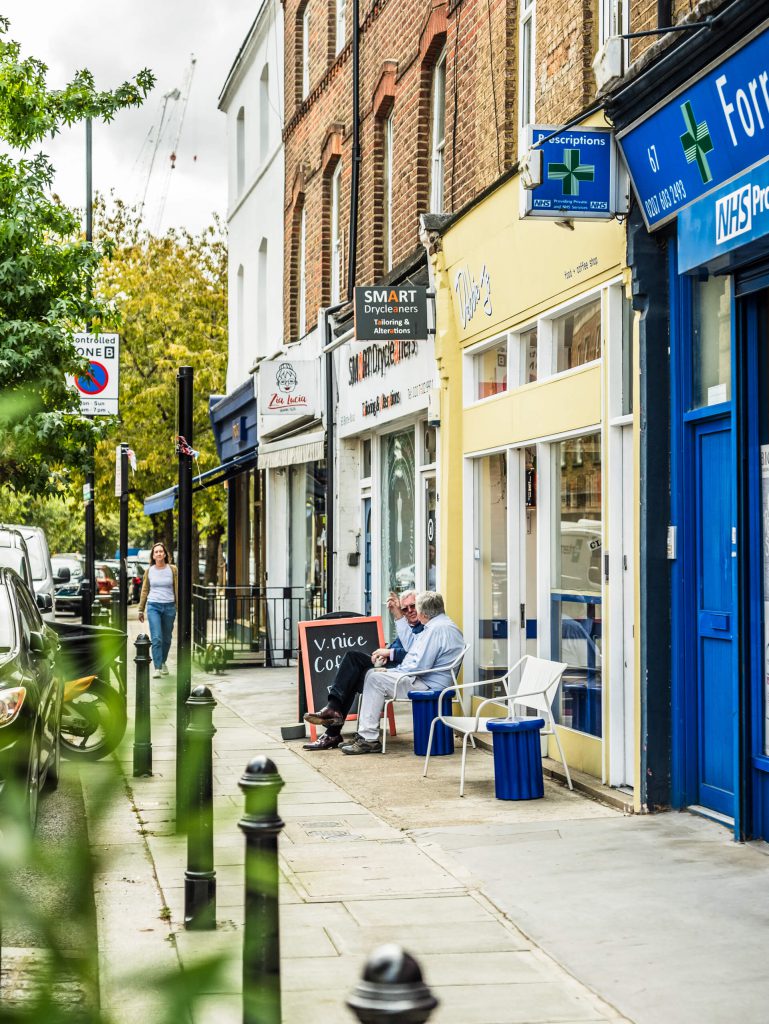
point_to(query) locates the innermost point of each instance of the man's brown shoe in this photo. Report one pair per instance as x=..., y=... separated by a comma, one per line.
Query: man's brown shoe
x=326, y=716
x=324, y=742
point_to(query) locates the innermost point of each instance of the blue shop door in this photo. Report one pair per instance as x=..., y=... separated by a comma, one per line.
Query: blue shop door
x=715, y=615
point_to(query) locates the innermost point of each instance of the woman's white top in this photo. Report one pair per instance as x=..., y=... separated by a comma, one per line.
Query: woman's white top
x=161, y=585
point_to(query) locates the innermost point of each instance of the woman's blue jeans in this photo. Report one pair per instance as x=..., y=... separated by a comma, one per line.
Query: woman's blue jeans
x=161, y=622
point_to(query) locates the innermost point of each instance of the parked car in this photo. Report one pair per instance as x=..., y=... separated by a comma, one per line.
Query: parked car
x=14, y=554
x=40, y=560
x=136, y=571
x=69, y=574
x=30, y=699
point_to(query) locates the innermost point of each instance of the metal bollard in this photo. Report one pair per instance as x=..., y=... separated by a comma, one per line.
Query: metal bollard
x=114, y=607
x=392, y=989
x=261, y=825
x=200, y=877
x=96, y=612
x=143, y=723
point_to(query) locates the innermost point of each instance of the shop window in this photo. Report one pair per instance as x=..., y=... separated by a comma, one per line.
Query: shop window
x=577, y=336
x=490, y=371
x=712, y=342
x=431, y=527
x=307, y=532
x=398, y=515
x=576, y=580
x=527, y=342
x=365, y=458
x=491, y=565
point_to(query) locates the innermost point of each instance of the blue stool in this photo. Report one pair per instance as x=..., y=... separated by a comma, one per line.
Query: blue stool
x=517, y=758
x=424, y=708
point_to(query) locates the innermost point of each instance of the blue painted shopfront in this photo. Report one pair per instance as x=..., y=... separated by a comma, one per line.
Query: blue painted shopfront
x=718, y=241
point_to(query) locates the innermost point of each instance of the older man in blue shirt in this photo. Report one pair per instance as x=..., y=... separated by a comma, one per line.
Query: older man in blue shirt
x=437, y=645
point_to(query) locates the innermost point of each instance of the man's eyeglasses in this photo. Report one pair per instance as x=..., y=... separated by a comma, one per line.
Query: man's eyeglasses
x=408, y=607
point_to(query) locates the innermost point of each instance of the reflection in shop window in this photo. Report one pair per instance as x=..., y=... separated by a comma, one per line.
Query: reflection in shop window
x=491, y=371
x=307, y=532
x=491, y=565
x=398, y=516
x=577, y=336
x=576, y=581
x=528, y=343
x=712, y=344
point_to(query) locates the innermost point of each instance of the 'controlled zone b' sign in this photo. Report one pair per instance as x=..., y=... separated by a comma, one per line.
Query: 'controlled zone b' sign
x=99, y=386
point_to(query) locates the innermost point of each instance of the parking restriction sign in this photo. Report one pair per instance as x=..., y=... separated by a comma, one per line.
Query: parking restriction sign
x=98, y=387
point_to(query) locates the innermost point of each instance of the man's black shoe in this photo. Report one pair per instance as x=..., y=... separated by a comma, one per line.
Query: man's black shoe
x=324, y=742
x=326, y=716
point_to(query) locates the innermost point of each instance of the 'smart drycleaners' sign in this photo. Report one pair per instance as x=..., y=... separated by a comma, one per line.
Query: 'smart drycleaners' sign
x=387, y=313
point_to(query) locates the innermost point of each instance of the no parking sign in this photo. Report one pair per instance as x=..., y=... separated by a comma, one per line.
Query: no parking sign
x=99, y=386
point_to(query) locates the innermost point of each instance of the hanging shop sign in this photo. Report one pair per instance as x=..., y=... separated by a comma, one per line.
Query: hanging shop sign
x=383, y=382
x=579, y=174
x=288, y=387
x=99, y=386
x=390, y=313
x=710, y=131
x=726, y=220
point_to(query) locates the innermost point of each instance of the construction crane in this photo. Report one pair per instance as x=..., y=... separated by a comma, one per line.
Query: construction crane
x=164, y=137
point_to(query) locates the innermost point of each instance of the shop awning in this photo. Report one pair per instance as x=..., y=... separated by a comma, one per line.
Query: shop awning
x=303, y=447
x=162, y=501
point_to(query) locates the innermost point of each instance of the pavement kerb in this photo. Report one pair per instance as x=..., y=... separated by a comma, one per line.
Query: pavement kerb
x=329, y=920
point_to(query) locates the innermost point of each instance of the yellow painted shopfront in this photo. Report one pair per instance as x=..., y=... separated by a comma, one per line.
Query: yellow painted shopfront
x=537, y=479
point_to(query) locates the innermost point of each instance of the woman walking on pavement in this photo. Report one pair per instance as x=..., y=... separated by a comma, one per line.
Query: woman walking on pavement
x=160, y=591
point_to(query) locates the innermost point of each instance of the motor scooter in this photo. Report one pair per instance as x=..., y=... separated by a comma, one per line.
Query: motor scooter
x=94, y=711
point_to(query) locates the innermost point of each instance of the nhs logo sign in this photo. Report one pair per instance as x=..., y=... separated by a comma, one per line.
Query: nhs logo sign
x=733, y=215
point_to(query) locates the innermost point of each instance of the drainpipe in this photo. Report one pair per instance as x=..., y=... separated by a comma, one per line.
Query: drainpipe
x=664, y=13
x=356, y=157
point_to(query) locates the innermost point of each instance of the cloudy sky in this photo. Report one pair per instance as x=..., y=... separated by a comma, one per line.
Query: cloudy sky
x=114, y=41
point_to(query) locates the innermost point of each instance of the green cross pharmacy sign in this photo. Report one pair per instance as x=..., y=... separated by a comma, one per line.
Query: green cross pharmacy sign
x=579, y=174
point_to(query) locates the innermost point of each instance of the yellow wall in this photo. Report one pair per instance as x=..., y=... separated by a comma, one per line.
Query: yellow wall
x=523, y=268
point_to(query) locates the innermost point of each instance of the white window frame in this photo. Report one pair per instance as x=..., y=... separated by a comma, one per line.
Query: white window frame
x=614, y=20
x=438, y=144
x=470, y=368
x=526, y=83
x=387, y=226
x=341, y=26
x=306, y=51
x=336, y=243
x=301, y=256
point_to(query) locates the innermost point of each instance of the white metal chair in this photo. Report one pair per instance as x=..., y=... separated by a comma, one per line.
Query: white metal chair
x=537, y=689
x=405, y=680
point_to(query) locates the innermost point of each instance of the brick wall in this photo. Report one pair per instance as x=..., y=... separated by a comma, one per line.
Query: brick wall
x=400, y=42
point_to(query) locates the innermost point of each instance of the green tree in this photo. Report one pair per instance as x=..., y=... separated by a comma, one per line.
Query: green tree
x=45, y=270
x=171, y=294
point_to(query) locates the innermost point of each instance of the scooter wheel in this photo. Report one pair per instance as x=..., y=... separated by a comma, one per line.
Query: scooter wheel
x=93, y=723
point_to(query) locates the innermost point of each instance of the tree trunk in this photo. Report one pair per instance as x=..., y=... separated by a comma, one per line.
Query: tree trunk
x=213, y=540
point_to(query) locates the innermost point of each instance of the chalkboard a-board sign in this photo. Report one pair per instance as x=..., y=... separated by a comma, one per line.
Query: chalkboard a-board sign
x=322, y=645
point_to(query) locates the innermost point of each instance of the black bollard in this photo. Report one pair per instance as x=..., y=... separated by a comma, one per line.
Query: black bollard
x=200, y=877
x=392, y=989
x=114, y=607
x=261, y=825
x=143, y=723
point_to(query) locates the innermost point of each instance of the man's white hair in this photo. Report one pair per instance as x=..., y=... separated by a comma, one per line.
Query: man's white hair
x=430, y=604
x=408, y=593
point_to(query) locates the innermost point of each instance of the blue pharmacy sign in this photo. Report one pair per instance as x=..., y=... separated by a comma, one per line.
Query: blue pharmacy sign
x=705, y=135
x=578, y=173
x=727, y=219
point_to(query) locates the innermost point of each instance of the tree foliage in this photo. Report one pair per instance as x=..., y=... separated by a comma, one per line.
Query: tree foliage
x=45, y=270
x=171, y=292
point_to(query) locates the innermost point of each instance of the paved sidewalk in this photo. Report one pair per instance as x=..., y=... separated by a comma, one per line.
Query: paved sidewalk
x=351, y=877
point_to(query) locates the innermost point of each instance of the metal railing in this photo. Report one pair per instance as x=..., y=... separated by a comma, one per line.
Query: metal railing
x=250, y=625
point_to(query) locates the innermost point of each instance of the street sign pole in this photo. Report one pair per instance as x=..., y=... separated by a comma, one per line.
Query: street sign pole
x=184, y=383
x=89, y=581
x=123, y=536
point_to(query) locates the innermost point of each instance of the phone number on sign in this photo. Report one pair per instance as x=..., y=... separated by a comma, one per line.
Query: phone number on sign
x=665, y=199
